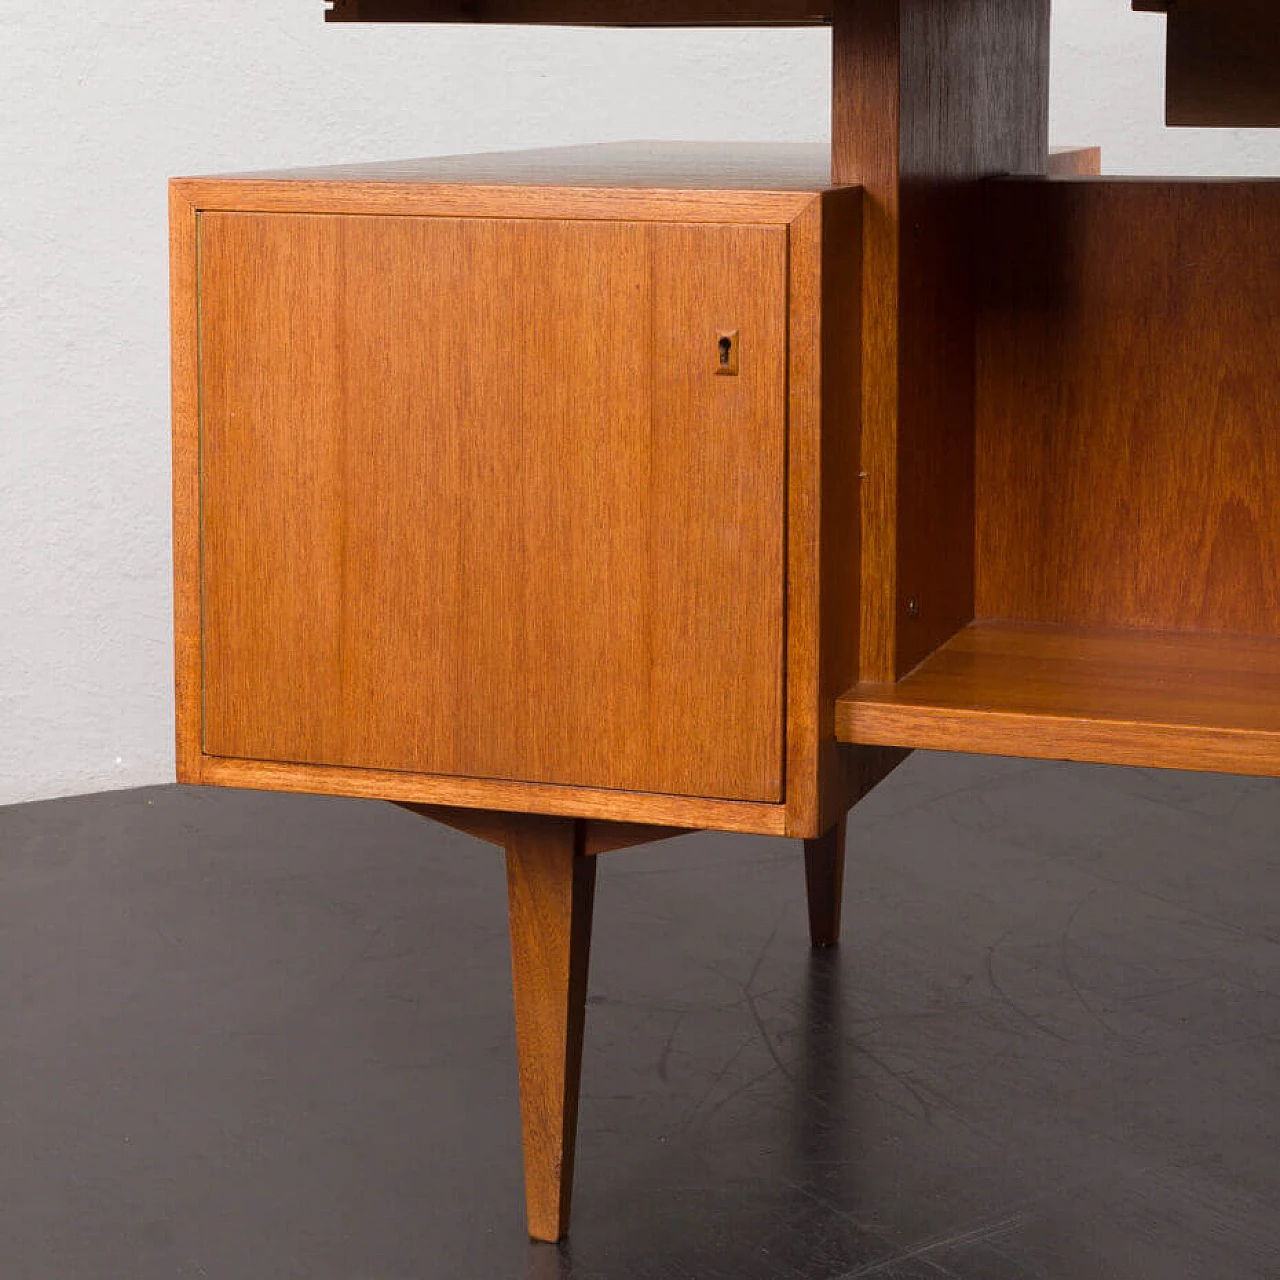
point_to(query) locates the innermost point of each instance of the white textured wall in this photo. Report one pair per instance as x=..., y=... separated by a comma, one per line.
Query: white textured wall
x=101, y=101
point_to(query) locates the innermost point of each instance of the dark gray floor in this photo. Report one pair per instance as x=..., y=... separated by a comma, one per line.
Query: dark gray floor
x=248, y=1036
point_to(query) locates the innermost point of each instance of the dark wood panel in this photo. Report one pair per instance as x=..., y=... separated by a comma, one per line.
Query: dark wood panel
x=592, y=13
x=1129, y=399
x=421, y=554
x=927, y=97
x=1155, y=699
x=1223, y=62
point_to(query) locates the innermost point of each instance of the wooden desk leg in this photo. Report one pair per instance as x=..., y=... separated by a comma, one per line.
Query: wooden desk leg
x=824, y=880
x=550, y=893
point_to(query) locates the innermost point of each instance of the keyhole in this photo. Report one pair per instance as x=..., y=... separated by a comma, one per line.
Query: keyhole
x=727, y=347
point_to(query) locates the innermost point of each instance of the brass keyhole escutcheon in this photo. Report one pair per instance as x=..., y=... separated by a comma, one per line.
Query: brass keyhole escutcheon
x=727, y=353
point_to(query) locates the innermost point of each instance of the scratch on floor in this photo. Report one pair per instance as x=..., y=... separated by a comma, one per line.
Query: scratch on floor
x=957, y=1240
x=765, y=1036
x=665, y=1056
x=719, y=1076
x=764, y=951
x=1064, y=942
x=901, y=1079
x=1006, y=999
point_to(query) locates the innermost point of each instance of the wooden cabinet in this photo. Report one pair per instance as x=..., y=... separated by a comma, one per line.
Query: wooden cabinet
x=524, y=491
x=509, y=492
x=575, y=498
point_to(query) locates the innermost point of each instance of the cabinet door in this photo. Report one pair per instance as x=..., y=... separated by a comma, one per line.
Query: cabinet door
x=477, y=501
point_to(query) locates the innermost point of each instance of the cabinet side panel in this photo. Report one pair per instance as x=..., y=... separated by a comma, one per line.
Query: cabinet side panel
x=824, y=527
x=806, y=366
x=846, y=773
x=823, y=506
x=184, y=341
x=841, y=483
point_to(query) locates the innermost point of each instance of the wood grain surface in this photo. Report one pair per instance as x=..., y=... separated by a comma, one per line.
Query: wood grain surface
x=1128, y=458
x=1075, y=162
x=926, y=98
x=185, y=396
x=504, y=548
x=187, y=199
x=486, y=793
x=783, y=184
x=386, y=197
x=824, y=527
x=1149, y=698
x=550, y=895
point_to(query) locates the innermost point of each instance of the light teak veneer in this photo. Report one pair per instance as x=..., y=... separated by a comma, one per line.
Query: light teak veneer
x=467, y=512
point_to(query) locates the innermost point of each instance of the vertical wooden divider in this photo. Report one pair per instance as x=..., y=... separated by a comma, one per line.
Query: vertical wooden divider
x=550, y=894
x=927, y=97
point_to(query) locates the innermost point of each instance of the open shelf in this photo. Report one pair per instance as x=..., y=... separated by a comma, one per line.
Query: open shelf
x=1152, y=698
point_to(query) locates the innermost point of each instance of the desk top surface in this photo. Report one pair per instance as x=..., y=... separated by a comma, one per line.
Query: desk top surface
x=690, y=166
x=686, y=166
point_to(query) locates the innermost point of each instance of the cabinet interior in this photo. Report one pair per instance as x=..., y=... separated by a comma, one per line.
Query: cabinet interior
x=1125, y=536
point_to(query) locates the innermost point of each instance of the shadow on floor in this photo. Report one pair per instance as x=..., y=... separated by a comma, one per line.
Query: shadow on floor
x=255, y=1036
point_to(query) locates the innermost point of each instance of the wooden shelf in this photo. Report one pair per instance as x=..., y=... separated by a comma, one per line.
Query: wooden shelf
x=1222, y=60
x=1177, y=701
x=590, y=13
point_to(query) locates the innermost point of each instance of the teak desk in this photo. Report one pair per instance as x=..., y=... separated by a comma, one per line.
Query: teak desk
x=583, y=497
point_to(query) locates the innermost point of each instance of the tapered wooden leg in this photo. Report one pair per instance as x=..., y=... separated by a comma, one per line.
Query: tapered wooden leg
x=550, y=893
x=824, y=880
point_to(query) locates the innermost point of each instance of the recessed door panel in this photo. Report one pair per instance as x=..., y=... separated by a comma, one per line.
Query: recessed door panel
x=478, y=498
